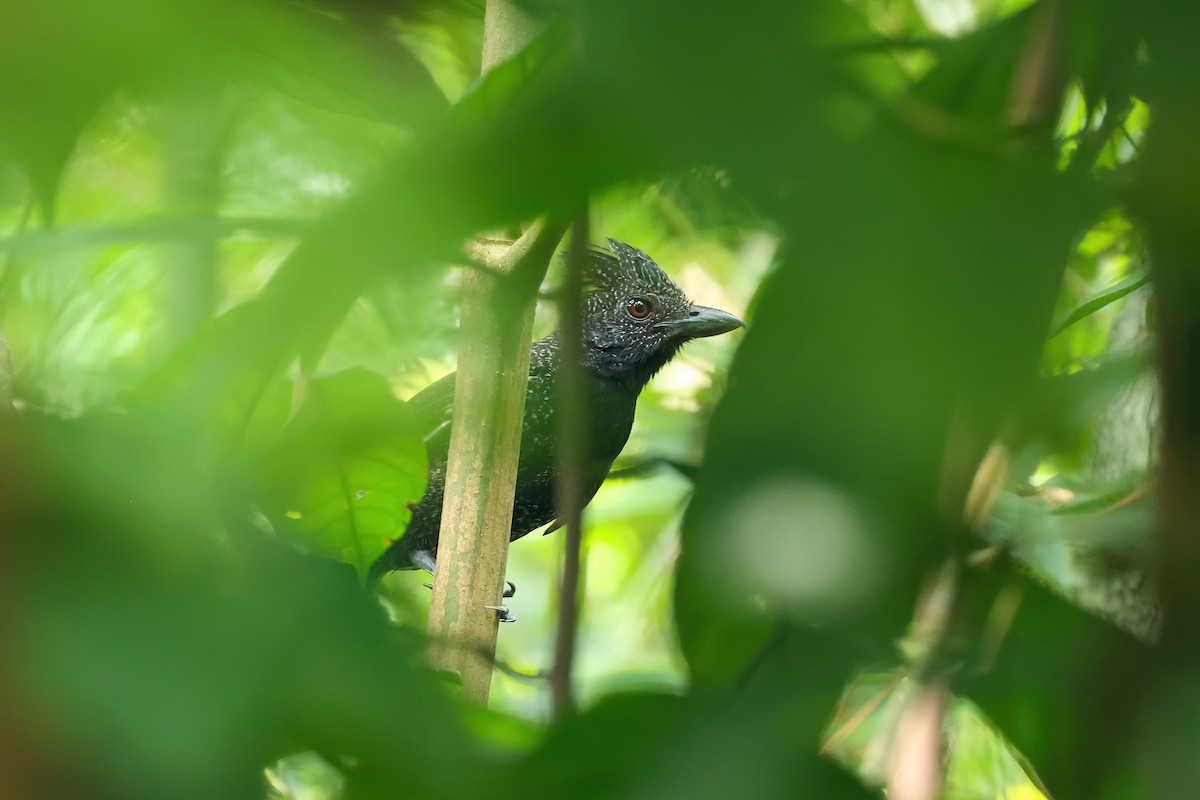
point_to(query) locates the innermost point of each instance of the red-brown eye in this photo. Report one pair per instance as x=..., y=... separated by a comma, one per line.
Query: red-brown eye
x=638, y=308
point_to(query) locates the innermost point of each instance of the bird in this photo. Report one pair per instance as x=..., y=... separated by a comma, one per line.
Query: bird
x=635, y=320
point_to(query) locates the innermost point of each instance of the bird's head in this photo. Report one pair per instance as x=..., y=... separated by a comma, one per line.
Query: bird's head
x=635, y=318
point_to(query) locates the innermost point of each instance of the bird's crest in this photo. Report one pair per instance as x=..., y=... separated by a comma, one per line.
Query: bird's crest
x=622, y=264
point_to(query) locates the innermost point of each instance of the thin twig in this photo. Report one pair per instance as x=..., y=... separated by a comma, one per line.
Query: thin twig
x=500, y=664
x=570, y=413
x=1124, y=128
x=6, y=396
x=997, y=625
x=521, y=675
x=6, y=255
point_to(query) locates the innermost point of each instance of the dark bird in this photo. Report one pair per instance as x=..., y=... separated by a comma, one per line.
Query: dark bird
x=635, y=320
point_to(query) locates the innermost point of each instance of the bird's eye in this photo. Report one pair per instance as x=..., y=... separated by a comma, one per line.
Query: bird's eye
x=638, y=308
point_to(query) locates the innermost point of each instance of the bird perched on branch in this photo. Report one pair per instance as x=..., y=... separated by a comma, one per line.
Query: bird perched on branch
x=634, y=321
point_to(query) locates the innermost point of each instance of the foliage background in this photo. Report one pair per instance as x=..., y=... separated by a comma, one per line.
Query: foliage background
x=212, y=210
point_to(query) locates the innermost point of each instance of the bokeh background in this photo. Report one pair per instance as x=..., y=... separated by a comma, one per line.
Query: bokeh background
x=898, y=536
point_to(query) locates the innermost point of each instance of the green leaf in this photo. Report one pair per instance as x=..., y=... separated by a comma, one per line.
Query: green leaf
x=1098, y=301
x=225, y=380
x=190, y=228
x=345, y=469
x=247, y=646
x=349, y=66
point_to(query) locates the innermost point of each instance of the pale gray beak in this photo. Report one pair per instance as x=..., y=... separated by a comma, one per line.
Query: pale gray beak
x=702, y=321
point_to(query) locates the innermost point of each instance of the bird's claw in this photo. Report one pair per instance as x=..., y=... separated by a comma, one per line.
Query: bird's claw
x=503, y=613
x=510, y=589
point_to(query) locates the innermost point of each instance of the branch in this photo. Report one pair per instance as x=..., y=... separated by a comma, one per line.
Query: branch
x=489, y=406
x=6, y=396
x=481, y=473
x=194, y=142
x=572, y=441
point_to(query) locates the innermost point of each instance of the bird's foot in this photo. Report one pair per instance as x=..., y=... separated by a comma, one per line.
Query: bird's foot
x=425, y=560
x=503, y=613
x=510, y=589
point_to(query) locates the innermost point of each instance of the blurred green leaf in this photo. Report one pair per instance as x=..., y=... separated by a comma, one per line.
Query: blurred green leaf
x=55, y=240
x=1098, y=301
x=1058, y=410
x=669, y=747
x=1051, y=657
x=344, y=471
x=349, y=64
x=208, y=657
x=165, y=644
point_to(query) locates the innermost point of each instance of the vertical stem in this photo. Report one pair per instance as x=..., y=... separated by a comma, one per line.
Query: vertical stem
x=6, y=396
x=572, y=444
x=481, y=473
x=9, y=281
x=194, y=142
x=1165, y=199
x=507, y=27
x=1167, y=203
x=489, y=405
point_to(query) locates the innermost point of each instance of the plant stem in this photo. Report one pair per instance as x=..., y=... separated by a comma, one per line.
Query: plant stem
x=571, y=436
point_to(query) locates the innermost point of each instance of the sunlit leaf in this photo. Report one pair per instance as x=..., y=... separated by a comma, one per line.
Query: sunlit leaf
x=351, y=65
x=345, y=470
x=1098, y=301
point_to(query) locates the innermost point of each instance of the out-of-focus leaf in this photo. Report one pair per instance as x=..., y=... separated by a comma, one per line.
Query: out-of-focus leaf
x=1103, y=47
x=73, y=55
x=972, y=79
x=862, y=338
x=209, y=656
x=415, y=211
x=43, y=113
x=912, y=288
x=235, y=410
x=509, y=151
x=981, y=762
x=505, y=734
x=668, y=747
x=1098, y=301
x=1058, y=409
x=1034, y=685
x=1034, y=534
x=247, y=425
x=900, y=325
x=344, y=471
x=159, y=229
x=349, y=65
x=867, y=711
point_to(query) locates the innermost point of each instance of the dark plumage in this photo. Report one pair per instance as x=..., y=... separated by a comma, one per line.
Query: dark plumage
x=635, y=321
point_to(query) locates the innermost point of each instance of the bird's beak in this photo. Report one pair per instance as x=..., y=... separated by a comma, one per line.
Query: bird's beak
x=702, y=321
